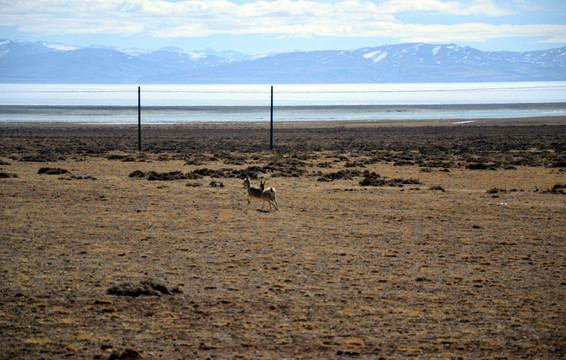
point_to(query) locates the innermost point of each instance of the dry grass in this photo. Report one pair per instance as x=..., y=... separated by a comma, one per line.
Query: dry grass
x=340, y=271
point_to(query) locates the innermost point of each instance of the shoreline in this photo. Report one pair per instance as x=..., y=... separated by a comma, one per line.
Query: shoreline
x=177, y=115
x=452, y=106
x=516, y=121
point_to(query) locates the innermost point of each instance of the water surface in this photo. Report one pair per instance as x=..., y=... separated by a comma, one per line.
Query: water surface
x=117, y=104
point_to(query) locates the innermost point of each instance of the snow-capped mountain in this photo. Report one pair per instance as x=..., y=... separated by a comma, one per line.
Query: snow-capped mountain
x=10, y=48
x=393, y=63
x=57, y=63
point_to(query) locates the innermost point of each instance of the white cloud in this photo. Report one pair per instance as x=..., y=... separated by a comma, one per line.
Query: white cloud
x=480, y=32
x=476, y=7
x=283, y=18
x=284, y=8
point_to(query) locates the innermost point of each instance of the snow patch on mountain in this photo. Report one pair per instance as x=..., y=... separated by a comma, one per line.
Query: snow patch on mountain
x=197, y=55
x=376, y=56
x=60, y=47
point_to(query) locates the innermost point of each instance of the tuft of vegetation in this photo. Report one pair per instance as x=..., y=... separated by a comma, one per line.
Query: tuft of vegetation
x=122, y=157
x=495, y=190
x=4, y=175
x=481, y=166
x=166, y=176
x=340, y=175
x=145, y=288
x=437, y=188
x=52, y=171
x=373, y=179
x=137, y=174
x=558, y=189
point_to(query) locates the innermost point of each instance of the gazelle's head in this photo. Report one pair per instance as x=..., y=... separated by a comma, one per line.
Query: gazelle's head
x=247, y=182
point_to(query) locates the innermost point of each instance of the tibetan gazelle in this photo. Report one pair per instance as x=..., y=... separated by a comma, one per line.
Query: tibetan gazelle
x=262, y=193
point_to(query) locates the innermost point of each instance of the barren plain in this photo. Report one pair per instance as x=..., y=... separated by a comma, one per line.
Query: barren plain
x=393, y=240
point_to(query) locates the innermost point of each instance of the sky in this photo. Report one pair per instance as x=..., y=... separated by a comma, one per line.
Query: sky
x=272, y=26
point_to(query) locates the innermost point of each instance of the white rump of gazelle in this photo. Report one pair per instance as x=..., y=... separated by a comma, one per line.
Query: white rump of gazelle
x=261, y=193
x=268, y=195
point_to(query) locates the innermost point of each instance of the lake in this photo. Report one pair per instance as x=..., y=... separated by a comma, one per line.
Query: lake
x=117, y=104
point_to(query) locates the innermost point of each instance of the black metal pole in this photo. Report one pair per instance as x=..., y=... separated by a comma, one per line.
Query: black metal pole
x=139, y=119
x=271, y=130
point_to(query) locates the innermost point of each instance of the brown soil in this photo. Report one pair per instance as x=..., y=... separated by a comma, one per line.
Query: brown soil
x=393, y=240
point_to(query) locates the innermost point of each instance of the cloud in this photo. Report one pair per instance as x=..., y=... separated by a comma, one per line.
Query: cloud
x=282, y=18
x=479, y=32
x=475, y=8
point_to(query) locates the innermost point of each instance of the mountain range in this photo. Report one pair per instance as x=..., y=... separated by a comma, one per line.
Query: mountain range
x=39, y=62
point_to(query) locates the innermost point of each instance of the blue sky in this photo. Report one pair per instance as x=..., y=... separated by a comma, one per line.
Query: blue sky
x=266, y=26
